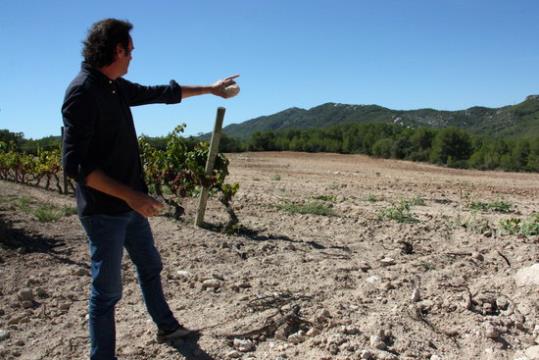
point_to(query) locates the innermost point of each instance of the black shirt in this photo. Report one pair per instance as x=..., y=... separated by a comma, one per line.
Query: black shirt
x=99, y=134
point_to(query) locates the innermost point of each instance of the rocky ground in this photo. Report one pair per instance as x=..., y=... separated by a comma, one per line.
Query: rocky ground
x=403, y=261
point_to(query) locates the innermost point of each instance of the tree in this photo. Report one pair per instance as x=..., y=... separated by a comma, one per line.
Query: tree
x=451, y=142
x=382, y=148
x=262, y=141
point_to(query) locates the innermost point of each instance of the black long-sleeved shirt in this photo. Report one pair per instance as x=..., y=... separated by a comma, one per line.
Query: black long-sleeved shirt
x=99, y=134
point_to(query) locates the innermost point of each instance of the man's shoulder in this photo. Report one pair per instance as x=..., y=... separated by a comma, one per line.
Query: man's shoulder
x=82, y=85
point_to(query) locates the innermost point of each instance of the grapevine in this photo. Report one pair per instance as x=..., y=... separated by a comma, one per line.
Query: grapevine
x=172, y=173
x=180, y=169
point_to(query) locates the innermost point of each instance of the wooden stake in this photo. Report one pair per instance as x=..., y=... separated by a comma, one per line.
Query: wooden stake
x=64, y=176
x=214, y=149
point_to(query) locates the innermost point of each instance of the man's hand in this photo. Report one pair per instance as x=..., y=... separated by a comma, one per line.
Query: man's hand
x=144, y=204
x=218, y=87
x=138, y=201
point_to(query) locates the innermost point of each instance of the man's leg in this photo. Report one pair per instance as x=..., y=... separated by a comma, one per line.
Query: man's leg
x=141, y=248
x=106, y=235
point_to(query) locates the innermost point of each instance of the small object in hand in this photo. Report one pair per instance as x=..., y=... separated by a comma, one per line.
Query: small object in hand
x=232, y=90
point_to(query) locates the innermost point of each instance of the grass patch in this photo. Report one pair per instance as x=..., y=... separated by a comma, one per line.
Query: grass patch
x=312, y=207
x=499, y=206
x=329, y=198
x=69, y=210
x=23, y=203
x=416, y=201
x=372, y=198
x=48, y=213
x=526, y=227
x=400, y=212
x=477, y=225
x=43, y=212
x=276, y=177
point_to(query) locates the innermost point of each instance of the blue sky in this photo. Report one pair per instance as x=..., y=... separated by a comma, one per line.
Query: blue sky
x=443, y=54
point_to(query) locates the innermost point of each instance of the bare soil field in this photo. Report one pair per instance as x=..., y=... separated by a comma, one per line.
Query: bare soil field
x=338, y=257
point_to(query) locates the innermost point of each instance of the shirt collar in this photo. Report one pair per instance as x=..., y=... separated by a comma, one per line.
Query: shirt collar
x=98, y=75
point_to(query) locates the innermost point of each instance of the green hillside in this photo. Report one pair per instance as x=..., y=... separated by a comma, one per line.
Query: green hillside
x=509, y=121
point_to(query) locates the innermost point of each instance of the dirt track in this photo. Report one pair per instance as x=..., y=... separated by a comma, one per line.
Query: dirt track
x=345, y=280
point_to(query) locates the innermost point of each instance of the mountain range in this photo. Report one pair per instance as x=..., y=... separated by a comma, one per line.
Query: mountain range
x=520, y=120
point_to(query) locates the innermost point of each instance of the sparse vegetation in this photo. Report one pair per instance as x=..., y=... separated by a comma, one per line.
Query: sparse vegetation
x=416, y=201
x=478, y=225
x=328, y=198
x=516, y=226
x=42, y=211
x=276, y=177
x=399, y=212
x=48, y=213
x=499, y=206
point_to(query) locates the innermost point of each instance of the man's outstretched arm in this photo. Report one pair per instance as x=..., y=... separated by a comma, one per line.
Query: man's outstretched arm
x=217, y=88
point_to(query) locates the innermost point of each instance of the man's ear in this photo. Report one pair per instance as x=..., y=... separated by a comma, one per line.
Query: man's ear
x=118, y=51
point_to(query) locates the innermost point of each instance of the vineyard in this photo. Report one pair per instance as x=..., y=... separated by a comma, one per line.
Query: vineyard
x=172, y=173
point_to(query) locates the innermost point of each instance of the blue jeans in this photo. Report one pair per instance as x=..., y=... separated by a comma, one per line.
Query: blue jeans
x=108, y=235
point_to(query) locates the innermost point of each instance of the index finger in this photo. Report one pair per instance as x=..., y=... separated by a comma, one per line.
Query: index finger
x=233, y=77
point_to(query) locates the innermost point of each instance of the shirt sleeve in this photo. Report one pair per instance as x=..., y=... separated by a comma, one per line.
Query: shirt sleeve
x=141, y=95
x=79, y=114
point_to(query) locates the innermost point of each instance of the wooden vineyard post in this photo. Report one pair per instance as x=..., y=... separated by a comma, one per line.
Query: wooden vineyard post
x=214, y=149
x=64, y=176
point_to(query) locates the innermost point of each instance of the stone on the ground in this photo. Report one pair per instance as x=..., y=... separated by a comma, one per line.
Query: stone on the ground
x=183, y=275
x=244, y=345
x=4, y=334
x=363, y=266
x=416, y=296
x=387, y=261
x=373, y=279
x=211, y=284
x=532, y=352
x=477, y=256
x=528, y=276
x=297, y=338
x=377, y=342
x=26, y=294
x=350, y=330
x=233, y=355
x=384, y=355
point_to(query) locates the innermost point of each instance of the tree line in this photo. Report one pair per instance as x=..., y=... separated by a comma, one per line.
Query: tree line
x=451, y=147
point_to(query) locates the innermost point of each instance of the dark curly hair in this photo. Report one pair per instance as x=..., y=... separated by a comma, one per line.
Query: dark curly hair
x=103, y=37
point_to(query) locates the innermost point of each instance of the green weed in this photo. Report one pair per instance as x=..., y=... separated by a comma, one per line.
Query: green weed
x=416, y=201
x=43, y=212
x=23, y=203
x=329, y=198
x=400, y=212
x=500, y=206
x=526, y=227
x=48, y=213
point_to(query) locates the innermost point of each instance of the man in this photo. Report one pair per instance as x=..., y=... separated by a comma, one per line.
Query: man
x=100, y=151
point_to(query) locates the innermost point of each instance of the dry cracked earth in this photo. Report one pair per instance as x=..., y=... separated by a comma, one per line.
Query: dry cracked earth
x=400, y=261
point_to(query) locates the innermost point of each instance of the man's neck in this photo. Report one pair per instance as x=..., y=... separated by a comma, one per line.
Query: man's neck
x=110, y=72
